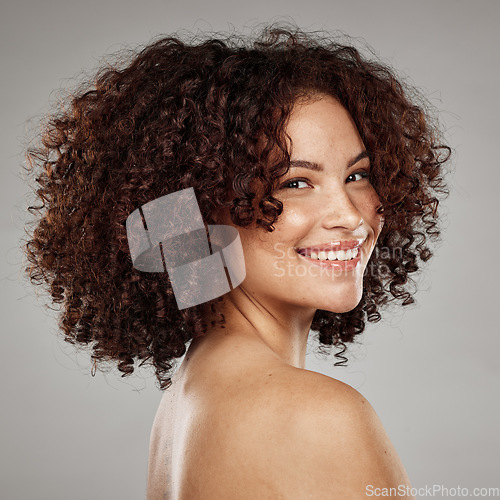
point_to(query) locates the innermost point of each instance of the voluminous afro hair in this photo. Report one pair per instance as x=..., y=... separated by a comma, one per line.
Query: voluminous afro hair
x=211, y=115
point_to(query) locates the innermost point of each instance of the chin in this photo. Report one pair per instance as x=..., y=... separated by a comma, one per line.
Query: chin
x=344, y=305
x=340, y=309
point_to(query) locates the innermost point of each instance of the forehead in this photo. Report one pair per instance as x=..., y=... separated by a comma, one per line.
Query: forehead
x=321, y=122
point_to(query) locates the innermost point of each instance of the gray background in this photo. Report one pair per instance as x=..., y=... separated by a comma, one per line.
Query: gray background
x=431, y=372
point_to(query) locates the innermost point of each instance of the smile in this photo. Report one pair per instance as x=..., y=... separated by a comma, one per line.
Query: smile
x=343, y=255
x=335, y=250
x=334, y=255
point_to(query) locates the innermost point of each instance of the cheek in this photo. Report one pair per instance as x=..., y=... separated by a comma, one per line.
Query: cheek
x=263, y=248
x=368, y=205
x=292, y=221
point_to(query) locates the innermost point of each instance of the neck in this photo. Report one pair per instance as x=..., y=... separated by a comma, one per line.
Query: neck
x=282, y=329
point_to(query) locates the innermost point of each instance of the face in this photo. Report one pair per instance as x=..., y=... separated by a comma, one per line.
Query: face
x=317, y=254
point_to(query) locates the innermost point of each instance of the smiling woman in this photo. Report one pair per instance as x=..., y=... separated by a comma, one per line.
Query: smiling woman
x=329, y=168
x=336, y=212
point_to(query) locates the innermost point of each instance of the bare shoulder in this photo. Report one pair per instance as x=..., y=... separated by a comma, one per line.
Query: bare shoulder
x=311, y=436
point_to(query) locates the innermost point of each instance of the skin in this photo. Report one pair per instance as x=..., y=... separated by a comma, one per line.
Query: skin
x=243, y=417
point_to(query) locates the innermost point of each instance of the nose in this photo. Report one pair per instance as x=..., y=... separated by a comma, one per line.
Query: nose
x=340, y=211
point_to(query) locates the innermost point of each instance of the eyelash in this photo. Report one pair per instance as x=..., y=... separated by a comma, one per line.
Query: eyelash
x=363, y=174
x=291, y=181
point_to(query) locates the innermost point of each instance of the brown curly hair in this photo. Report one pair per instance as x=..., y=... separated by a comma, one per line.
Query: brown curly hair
x=211, y=114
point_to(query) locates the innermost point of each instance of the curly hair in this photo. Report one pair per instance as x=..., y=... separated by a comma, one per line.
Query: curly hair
x=211, y=115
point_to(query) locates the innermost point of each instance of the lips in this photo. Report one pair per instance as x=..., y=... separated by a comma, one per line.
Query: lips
x=331, y=246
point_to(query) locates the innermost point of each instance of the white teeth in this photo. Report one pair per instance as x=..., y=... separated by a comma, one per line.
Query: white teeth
x=341, y=255
x=335, y=255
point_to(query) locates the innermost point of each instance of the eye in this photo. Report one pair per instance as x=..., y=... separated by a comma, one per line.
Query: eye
x=360, y=175
x=295, y=184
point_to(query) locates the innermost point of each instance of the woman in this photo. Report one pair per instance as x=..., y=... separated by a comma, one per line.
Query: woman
x=329, y=168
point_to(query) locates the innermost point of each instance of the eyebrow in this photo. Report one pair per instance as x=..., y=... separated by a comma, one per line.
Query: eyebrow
x=311, y=165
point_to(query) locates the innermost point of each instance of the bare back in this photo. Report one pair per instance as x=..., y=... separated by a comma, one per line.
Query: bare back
x=191, y=445
x=236, y=422
x=160, y=449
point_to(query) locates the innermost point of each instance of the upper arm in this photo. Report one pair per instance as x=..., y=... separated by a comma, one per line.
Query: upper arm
x=351, y=453
x=324, y=442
